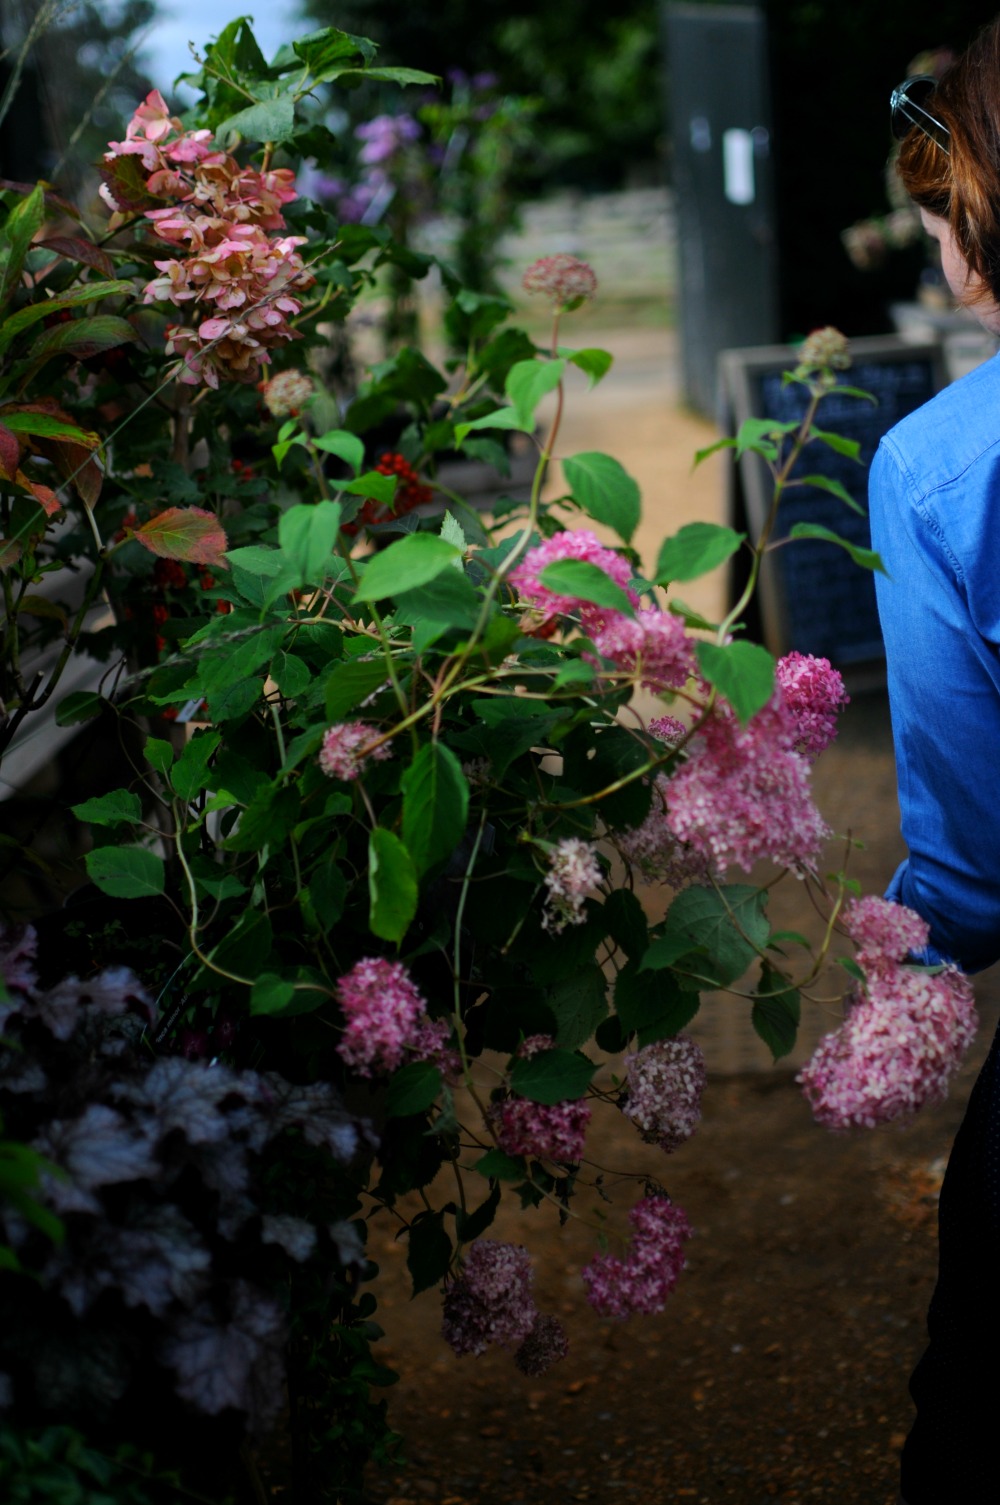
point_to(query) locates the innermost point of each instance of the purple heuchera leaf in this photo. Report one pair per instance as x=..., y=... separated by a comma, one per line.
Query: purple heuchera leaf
x=349, y=1244
x=295, y=1235
x=100, y=1148
x=239, y=1363
x=184, y=1095
x=319, y=1112
x=18, y=948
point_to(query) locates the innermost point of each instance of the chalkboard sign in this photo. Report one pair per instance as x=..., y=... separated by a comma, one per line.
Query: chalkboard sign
x=812, y=595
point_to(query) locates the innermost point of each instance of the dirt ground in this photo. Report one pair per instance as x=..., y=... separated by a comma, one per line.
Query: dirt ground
x=779, y=1369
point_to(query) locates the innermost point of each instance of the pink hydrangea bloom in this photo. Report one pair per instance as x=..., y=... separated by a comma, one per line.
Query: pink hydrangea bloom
x=573, y=872
x=642, y=1281
x=563, y=279
x=655, y=851
x=884, y=933
x=533, y=1045
x=742, y=794
x=342, y=754
x=653, y=646
x=491, y=1300
x=895, y=1051
x=544, y=1346
x=550, y=1131
x=667, y=729
x=664, y=1083
x=578, y=544
x=813, y=693
x=385, y=1019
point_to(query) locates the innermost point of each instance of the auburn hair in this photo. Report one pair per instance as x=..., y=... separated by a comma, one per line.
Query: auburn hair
x=962, y=185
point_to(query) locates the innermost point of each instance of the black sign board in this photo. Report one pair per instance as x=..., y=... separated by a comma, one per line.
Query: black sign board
x=812, y=596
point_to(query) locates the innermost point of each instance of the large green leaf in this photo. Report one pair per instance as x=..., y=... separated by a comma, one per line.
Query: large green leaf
x=652, y=1007
x=110, y=809
x=351, y=682
x=435, y=805
x=22, y=225
x=307, y=535
x=694, y=550
x=429, y=1253
x=579, y=1003
x=347, y=447
x=776, y=1016
x=87, y=292
x=392, y=886
x=190, y=774
x=729, y=924
x=405, y=564
x=412, y=1089
x=528, y=382
x=553, y=1076
x=126, y=872
x=587, y=582
x=83, y=337
x=868, y=559
x=742, y=672
x=605, y=491
x=267, y=120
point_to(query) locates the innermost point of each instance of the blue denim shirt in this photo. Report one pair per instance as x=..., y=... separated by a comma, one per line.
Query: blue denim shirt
x=934, y=495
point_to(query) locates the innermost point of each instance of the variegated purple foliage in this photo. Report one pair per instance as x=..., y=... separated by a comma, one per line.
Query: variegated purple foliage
x=183, y=1227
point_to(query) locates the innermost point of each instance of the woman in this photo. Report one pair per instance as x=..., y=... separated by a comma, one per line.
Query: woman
x=935, y=512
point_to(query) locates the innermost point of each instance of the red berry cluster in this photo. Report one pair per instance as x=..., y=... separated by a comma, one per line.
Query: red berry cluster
x=410, y=492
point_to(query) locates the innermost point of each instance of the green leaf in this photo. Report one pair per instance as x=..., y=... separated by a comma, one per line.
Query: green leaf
x=22, y=225
x=501, y=1167
x=405, y=564
x=729, y=924
x=762, y=436
x=626, y=922
x=694, y=550
x=579, y=1004
x=449, y=602
x=652, y=1008
x=587, y=582
x=553, y=1076
x=664, y=951
x=351, y=682
x=126, y=872
x=44, y=426
x=592, y=362
x=347, y=447
x=321, y=49
x=81, y=705
x=851, y=967
x=83, y=337
x=605, y=491
x=271, y=994
x=291, y=674
x=412, y=1089
x=472, y=1225
x=776, y=1018
x=243, y=951
x=451, y=530
x=87, y=292
x=373, y=483
x=868, y=559
x=267, y=820
x=267, y=120
x=712, y=449
x=834, y=487
x=110, y=809
x=742, y=672
x=849, y=447
x=429, y=1253
x=190, y=774
x=307, y=535
x=158, y=754
x=392, y=886
x=435, y=805
x=502, y=418
x=256, y=559
x=527, y=383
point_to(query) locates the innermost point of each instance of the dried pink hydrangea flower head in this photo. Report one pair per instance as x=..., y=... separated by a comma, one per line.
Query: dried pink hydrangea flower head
x=348, y=746
x=491, y=1301
x=564, y=280
x=573, y=872
x=825, y=348
x=664, y=1083
x=287, y=393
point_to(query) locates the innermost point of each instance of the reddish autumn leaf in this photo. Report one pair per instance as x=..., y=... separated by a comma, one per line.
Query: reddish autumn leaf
x=76, y=465
x=10, y=453
x=44, y=495
x=188, y=533
x=10, y=552
x=83, y=251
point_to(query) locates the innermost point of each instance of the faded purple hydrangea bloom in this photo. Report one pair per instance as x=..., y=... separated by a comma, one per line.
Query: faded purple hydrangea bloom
x=664, y=1083
x=550, y=1131
x=813, y=694
x=347, y=747
x=655, y=851
x=896, y=1050
x=642, y=1281
x=573, y=872
x=491, y=1300
x=544, y=1346
x=564, y=280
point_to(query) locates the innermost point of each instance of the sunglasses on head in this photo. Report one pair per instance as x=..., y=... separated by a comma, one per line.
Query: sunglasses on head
x=908, y=104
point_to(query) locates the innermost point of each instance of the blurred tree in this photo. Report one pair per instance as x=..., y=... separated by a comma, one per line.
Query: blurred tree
x=70, y=79
x=595, y=70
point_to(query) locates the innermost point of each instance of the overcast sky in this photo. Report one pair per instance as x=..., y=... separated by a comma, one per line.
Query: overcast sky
x=165, y=52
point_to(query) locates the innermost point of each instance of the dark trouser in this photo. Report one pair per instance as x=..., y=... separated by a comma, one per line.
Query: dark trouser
x=950, y=1457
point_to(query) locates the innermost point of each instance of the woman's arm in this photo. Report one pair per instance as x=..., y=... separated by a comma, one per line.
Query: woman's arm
x=944, y=693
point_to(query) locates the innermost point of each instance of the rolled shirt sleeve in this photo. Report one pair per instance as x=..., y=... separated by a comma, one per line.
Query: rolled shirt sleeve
x=939, y=540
